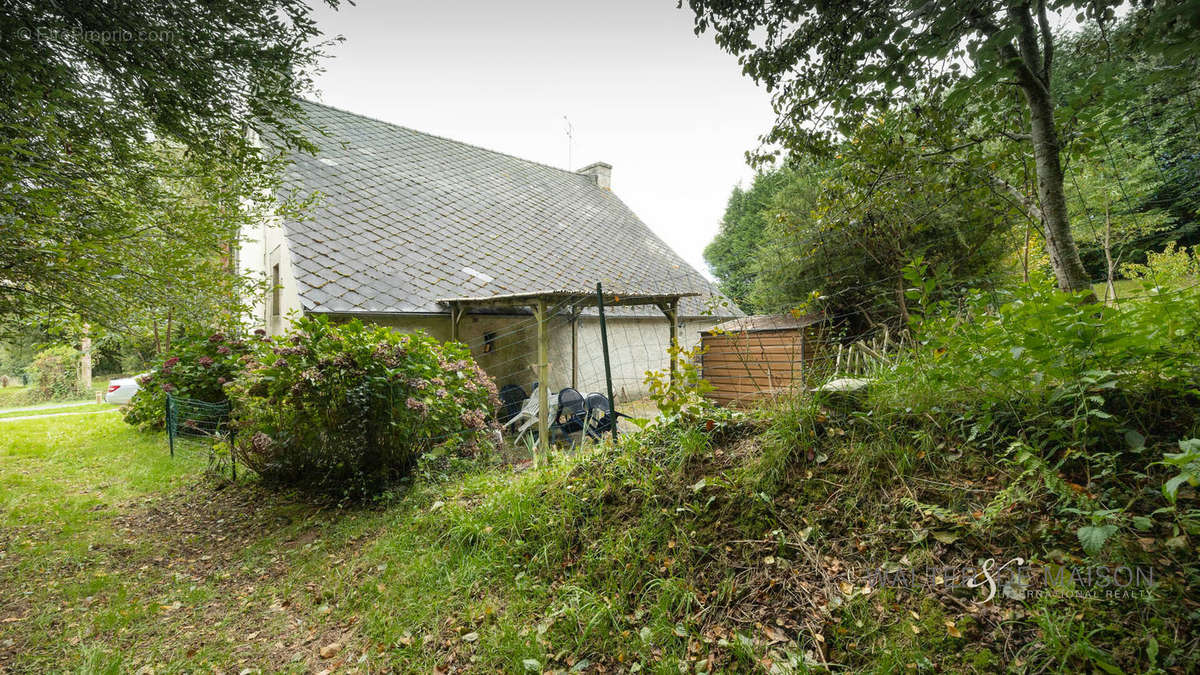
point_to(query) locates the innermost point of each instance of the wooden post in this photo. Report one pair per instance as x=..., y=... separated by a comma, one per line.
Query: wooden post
x=575, y=347
x=673, y=318
x=543, y=341
x=803, y=374
x=456, y=315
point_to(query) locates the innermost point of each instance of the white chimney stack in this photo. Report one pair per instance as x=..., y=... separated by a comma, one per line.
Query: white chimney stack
x=599, y=172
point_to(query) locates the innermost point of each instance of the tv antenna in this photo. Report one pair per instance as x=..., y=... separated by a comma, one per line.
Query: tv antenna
x=570, y=143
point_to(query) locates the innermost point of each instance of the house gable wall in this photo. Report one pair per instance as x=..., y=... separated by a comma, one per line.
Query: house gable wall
x=261, y=249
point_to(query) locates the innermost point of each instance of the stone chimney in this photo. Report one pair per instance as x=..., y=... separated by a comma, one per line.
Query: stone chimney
x=599, y=172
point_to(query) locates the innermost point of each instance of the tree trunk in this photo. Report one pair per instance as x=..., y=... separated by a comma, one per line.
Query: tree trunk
x=170, y=327
x=85, y=359
x=1060, y=243
x=1030, y=56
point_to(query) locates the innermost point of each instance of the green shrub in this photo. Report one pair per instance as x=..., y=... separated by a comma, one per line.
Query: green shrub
x=56, y=376
x=197, y=368
x=1082, y=398
x=348, y=409
x=1055, y=369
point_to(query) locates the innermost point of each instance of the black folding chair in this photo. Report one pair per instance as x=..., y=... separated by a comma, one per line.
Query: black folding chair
x=512, y=398
x=600, y=415
x=572, y=412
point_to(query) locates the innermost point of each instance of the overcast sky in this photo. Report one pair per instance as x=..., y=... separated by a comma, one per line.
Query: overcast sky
x=669, y=110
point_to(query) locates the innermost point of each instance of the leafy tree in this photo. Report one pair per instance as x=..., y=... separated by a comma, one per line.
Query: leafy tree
x=831, y=65
x=55, y=375
x=1106, y=211
x=732, y=252
x=1134, y=141
x=848, y=233
x=128, y=139
x=19, y=347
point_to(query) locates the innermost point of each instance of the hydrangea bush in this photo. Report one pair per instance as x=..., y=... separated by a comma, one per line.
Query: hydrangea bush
x=196, y=368
x=347, y=409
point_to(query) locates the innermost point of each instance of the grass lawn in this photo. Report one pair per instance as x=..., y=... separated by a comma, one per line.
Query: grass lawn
x=89, y=408
x=114, y=556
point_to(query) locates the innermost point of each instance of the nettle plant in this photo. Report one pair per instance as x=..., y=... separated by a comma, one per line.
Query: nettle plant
x=197, y=367
x=348, y=409
x=1068, y=372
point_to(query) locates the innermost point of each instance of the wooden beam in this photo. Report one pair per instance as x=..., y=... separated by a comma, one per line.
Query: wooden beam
x=543, y=341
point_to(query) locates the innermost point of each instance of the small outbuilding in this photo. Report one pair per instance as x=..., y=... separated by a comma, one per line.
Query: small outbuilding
x=758, y=357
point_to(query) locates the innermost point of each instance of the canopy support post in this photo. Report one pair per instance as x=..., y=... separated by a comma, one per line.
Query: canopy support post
x=671, y=311
x=543, y=341
x=456, y=314
x=575, y=312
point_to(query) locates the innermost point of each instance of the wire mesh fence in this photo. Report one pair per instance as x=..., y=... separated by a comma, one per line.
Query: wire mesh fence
x=193, y=423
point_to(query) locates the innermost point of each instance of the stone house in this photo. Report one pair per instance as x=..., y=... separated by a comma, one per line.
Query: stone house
x=402, y=222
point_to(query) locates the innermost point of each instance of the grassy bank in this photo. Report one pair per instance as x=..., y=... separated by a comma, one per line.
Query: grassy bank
x=705, y=547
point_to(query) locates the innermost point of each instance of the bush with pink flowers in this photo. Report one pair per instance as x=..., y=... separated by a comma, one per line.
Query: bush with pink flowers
x=196, y=368
x=348, y=409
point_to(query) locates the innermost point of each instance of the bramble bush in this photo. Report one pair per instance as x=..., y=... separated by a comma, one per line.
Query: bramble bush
x=348, y=409
x=197, y=368
x=56, y=375
x=1055, y=369
x=1086, y=398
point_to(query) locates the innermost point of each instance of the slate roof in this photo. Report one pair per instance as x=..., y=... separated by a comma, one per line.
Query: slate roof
x=405, y=218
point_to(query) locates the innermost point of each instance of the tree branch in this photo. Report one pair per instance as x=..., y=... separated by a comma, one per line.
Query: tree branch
x=1032, y=210
x=1027, y=40
x=1016, y=137
x=1047, y=41
x=1025, y=74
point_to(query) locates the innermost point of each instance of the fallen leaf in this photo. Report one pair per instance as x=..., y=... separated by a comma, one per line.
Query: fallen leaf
x=331, y=650
x=775, y=635
x=953, y=630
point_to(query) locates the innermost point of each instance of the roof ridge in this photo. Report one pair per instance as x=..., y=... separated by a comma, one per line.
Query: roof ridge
x=444, y=138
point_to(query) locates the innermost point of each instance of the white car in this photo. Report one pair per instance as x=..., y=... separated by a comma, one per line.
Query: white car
x=121, y=391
